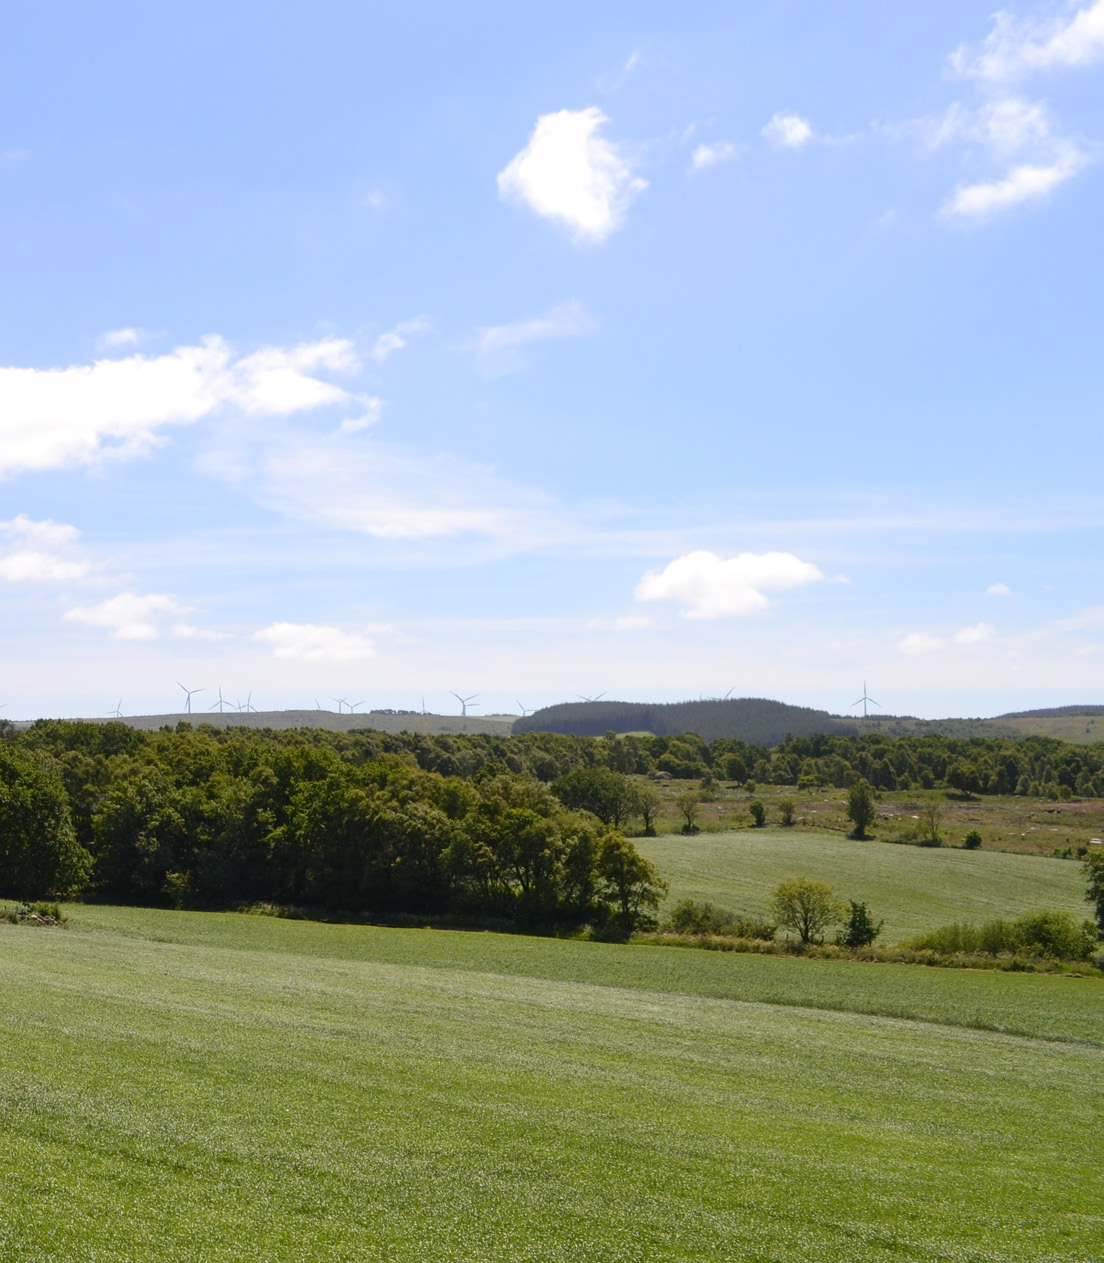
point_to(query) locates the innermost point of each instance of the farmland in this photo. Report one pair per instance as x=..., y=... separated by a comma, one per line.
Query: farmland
x=177, y=1084
x=913, y=888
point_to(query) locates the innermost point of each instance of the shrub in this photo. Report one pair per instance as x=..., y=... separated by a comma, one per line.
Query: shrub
x=1058, y=935
x=690, y=916
x=972, y=840
x=859, y=930
x=758, y=813
x=786, y=810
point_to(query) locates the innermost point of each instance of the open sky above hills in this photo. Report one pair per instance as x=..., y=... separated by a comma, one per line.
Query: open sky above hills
x=384, y=352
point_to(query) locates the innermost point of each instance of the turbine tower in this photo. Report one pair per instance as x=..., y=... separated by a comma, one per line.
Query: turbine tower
x=864, y=700
x=341, y=701
x=247, y=705
x=118, y=711
x=465, y=702
x=221, y=703
x=188, y=696
x=524, y=712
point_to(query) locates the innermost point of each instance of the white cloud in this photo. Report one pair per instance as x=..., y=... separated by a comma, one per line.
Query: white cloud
x=920, y=642
x=116, y=339
x=371, y=414
x=998, y=589
x=395, y=339
x=976, y=635
x=27, y=565
x=721, y=587
x=129, y=616
x=29, y=562
x=1019, y=46
x=499, y=347
x=711, y=155
x=924, y=642
x=46, y=531
x=1027, y=182
x=313, y=642
x=790, y=130
x=567, y=172
x=53, y=418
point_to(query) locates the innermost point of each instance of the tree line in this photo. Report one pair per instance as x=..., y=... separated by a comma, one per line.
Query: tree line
x=343, y=822
x=525, y=828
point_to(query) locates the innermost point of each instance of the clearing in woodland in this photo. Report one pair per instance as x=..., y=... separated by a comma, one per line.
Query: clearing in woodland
x=914, y=888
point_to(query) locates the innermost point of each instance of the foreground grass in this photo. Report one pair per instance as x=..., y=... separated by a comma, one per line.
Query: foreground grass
x=184, y=1086
x=913, y=888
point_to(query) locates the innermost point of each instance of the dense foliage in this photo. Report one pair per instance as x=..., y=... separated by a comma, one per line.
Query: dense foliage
x=524, y=828
x=758, y=720
x=365, y=823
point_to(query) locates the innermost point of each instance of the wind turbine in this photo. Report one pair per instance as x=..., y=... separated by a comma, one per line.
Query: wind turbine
x=729, y=693
x=465, y=702
x=863, y=701
x=247, y=705
x=118, y=711
x=222, y=701
x=354, y=705
x=188, y=693
x=524, y=712
x=595, y=698
x=341, y=701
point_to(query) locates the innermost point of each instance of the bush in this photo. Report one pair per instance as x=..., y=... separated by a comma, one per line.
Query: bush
x=972, y=840
x=689, y=916
x=758, y=813
x=786, y=810
x=1058, y=935
x=859, y=930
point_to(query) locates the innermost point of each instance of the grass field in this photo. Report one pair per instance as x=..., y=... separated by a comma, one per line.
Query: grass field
x=188, y=1086
x=913, y=888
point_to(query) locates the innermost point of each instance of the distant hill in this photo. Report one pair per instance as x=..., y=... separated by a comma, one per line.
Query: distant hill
x=382, y=721
x=1053, y=712
x=756, y=720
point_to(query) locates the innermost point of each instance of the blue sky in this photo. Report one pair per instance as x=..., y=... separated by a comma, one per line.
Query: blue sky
x=527, y=354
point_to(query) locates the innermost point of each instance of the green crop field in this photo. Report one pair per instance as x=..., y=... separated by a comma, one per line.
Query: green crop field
x=913, y=888
x=190, y=1086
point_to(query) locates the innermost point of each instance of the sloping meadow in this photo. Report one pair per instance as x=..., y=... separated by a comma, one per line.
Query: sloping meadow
x=195, y=1086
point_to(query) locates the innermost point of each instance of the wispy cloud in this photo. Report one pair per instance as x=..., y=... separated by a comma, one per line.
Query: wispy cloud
x=500, y=348
x=40, y=552
x=395, y=339
x=711, y=155
x=711, y=586
x=998, y=589
x=1023, y=183
x=571, y=174
x=791, y=131
x=1019, y=46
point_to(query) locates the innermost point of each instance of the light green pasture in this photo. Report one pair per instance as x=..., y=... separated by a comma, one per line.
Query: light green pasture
x=179, y=1086
x=913, y=888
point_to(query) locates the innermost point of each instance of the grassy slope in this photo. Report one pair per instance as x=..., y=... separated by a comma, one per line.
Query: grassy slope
x=914, y=888
x=180, y=1086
